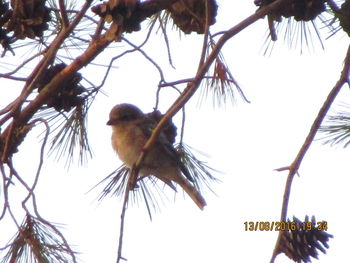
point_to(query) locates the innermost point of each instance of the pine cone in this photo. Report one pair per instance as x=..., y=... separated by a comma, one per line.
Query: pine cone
x=301, y=10
x=5, y=15
x=67, y=96
x=303, y=242
x=120, y=13
x=190, y=15
x=344, y=16
x=29, y=18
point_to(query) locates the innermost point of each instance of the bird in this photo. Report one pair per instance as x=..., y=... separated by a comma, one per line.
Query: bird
x=131, y=129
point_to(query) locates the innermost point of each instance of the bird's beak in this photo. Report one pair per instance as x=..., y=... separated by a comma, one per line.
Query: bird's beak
x=111, y=122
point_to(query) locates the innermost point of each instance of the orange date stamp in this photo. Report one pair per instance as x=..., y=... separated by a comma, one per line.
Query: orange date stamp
x=284, y=226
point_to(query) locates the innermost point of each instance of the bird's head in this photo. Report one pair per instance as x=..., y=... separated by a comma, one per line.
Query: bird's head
x=122, y=113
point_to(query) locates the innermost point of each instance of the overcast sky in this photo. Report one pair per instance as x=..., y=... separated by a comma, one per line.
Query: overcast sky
x=246, y=142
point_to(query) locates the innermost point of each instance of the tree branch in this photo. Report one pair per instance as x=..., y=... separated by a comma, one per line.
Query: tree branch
x=63, y=11
x=294, y=167
x=41, y=161
x=193, y=86
x=9, y=74
x=143, y=10
x=21, y=118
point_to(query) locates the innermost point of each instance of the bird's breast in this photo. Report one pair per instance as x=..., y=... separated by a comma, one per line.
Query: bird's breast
x=128, y=143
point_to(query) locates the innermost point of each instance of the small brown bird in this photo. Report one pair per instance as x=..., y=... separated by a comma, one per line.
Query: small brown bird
x=131, y=130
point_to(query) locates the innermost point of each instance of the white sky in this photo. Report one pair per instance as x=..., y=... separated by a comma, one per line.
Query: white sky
x=246, y=142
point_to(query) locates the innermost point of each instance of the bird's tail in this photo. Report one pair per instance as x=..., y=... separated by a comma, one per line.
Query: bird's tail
x=192, y=192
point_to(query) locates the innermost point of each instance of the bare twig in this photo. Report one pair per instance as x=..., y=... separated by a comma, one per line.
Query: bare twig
x=176, y=82
x=47, y=132
x=294, y=167
x=7, y=204
x=183, y=121
x=13, y=78
x=63, y=11
x=166, y=40
x=76, y=12
x=5, y=185
x=135, y=48
x=148, y=58
x=182, y=81
x=218, y=33
x=206, y=36
x=13, y=216
x=9, y=74
x=129, y=187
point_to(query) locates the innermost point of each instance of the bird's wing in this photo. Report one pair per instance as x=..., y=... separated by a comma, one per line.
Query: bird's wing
x=147, y=125
x=170, y=150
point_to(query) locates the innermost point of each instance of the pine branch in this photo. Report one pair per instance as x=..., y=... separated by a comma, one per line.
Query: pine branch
x=337, y=128
x=38, y=241
x=143, y=10
x=21, y=118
